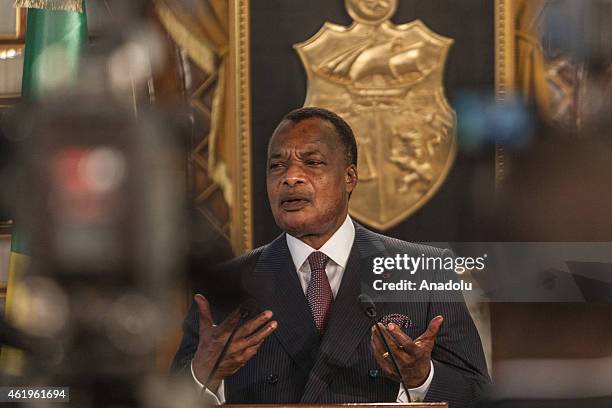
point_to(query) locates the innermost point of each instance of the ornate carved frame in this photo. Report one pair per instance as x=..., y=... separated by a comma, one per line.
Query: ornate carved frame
x=230, y=217
x=504, y=70
x=242, y=223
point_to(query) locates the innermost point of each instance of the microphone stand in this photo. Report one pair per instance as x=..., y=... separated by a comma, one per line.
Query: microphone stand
x=244, y=314
x=370, y=311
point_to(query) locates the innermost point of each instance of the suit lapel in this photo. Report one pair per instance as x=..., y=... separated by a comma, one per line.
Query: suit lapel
x=296, y=330
x=347, y=325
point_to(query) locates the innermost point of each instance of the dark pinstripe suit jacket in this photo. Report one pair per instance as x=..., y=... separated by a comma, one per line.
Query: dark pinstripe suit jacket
x=294, y=365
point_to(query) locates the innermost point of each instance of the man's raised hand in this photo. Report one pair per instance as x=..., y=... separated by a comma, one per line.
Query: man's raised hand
x=245, y=343
x=413, y=357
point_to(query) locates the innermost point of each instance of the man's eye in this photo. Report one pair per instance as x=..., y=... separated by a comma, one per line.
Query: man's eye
x=314, y=162
x=275, y=165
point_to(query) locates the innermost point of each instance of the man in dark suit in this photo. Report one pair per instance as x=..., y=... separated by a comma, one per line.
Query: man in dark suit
x=312, y=343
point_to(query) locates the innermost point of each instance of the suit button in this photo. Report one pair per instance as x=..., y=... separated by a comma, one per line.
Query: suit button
x=271, y=378
x=373, y=373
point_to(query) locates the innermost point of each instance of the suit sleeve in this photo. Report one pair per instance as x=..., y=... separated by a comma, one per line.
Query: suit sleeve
x=189, y=342
x=458, y=358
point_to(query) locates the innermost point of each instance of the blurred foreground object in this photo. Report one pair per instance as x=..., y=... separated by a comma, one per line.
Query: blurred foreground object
x=577, y=44
x=104, y=217
x=100, y=180
x=55, y=42
x=563, y=52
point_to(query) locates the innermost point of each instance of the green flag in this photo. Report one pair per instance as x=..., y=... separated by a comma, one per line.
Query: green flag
x=55, y=41
x=56, y=38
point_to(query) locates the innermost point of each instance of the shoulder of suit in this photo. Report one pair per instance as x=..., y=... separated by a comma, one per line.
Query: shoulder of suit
x=398, y=246
x=244, y=261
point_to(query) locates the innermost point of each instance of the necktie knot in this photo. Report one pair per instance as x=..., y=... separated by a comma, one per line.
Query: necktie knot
x=318, y=261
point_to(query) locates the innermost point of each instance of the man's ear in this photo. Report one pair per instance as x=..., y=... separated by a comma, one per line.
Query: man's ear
x=351, y=177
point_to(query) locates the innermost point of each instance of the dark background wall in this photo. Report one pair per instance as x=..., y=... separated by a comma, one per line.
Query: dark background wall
x=278, y=85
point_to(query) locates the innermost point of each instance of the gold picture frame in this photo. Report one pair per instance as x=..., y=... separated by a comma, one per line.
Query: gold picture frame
x=220, y=173
x=242, y=219
x=20, y=26
x=505, y=65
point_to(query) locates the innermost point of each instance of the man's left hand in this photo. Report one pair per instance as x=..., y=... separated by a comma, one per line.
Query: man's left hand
x=413, y=357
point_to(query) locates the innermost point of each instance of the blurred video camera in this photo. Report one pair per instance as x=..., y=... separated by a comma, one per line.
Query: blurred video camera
x=102, y=208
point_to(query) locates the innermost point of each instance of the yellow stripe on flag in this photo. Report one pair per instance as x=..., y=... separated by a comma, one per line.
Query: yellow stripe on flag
x=11, y=359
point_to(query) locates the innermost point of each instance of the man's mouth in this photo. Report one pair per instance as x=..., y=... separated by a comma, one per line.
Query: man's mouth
x=294, y=204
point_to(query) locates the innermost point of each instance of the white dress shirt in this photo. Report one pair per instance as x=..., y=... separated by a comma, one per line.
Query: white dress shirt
x=337, y=249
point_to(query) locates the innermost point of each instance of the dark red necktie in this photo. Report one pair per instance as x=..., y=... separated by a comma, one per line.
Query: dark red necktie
x=319, y=293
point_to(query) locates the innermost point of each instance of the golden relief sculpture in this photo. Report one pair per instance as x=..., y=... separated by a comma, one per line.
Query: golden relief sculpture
x=386, y=81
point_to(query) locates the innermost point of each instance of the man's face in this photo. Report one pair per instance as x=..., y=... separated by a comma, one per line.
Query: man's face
x=308, y=178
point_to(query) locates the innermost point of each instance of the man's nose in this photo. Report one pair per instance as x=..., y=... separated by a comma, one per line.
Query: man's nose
x=294, y=175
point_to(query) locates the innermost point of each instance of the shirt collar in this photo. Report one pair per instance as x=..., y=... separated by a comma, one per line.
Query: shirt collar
x=337, y=248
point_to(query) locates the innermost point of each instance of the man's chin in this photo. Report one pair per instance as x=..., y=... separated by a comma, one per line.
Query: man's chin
x=295, y=223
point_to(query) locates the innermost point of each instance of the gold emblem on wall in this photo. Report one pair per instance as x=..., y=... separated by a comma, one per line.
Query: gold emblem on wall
x=386, y=81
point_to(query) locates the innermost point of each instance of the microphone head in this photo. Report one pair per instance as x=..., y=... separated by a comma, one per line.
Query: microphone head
x=367, y=305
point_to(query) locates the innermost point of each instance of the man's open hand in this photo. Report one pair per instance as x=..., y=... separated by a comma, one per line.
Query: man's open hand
x=413, y=357
x=245, y=343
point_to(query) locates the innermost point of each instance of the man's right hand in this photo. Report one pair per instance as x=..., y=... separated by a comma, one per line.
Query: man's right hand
x=245, y=343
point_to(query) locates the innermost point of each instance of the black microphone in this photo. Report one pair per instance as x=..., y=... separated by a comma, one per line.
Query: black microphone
x=369, y=309
x=247, y=309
